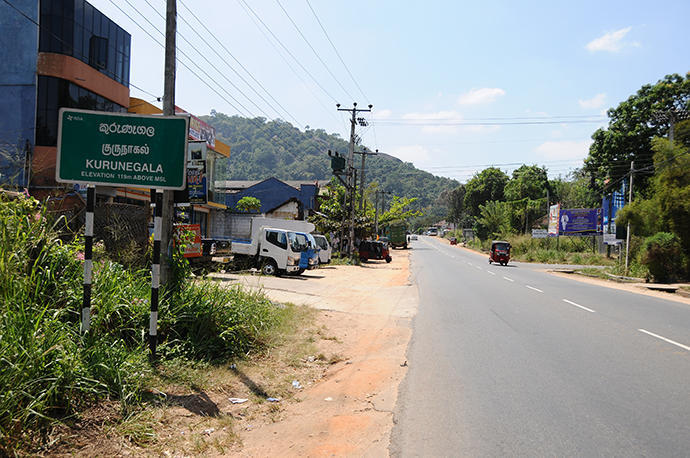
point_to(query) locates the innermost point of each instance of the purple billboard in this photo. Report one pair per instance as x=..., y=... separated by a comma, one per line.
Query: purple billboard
x=579, y=221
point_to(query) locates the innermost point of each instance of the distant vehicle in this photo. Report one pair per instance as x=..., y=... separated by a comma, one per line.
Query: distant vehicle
x=396, y=233
x=453, y=241
x=413, y=236
x=500, y=252
x=432, y=231
x=325, y=249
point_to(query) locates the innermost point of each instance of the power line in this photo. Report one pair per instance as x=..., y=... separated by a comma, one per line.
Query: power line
x=190, y=59
x=336, y=51
x=314, y=50
x=288, y=51
x=486, y=123
x=237, y=61
x=30, y=19
x=304, y=83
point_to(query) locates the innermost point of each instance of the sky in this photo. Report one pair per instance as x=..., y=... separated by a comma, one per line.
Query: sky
x=456, y=86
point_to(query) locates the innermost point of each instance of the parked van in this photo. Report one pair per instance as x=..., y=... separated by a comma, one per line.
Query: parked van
x=325, y=249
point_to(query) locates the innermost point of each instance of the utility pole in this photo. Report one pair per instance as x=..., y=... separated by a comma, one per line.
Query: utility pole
x=627, y=236
x=361, y=175
x=168, y=110
x=376, y=213
x=350, y=170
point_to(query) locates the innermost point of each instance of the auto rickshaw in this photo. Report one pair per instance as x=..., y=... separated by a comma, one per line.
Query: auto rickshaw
x=453, y=241
x=500, y=252
x=372, y=249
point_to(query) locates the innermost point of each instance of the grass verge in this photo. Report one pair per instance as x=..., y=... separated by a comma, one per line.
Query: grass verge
x=51, y=373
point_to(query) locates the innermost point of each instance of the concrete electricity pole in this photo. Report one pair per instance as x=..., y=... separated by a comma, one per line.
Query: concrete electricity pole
x=350, y=170
x=361, y=175
x=168, y=110
x=627, y=235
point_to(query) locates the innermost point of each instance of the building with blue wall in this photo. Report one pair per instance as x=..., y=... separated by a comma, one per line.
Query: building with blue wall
x=55, y=53
x=17, y=89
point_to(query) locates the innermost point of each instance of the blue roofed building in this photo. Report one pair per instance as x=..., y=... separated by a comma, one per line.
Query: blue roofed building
x=275, y=195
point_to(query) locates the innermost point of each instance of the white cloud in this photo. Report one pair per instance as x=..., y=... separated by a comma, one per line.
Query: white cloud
x=595, y=102
x=611, y=41
x=481, y=95
x=381, y=114
x=565, y=149
x=412, y=153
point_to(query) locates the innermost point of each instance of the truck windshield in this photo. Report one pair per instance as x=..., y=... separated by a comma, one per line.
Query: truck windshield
x=298, y=242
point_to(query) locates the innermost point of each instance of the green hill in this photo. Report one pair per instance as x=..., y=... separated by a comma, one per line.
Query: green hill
x=261, y=149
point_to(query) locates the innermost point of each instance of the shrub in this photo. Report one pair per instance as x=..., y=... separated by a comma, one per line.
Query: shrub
x=662, y=254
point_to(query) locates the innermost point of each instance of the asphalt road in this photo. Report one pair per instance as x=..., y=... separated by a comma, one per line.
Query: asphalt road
x=511, y=361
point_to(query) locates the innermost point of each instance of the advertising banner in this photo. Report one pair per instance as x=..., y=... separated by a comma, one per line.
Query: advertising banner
x=579, y=221
x=190, y=235
x=199, y=130
x=610, y=205
x=196, y=182
x=120, y=149
x=554, y=210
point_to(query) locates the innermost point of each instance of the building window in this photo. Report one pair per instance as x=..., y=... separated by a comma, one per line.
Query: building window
x=55, y=93
x=77, y=29
x=98, y=52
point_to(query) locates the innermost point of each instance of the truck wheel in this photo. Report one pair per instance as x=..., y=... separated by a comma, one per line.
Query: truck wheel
x=269, y=267
x=405, y=246
x=389, y=259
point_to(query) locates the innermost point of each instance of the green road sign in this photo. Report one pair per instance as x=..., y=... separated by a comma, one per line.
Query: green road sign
x=121, y=149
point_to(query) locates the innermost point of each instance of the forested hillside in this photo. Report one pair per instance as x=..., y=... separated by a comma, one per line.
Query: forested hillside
x=261, y=149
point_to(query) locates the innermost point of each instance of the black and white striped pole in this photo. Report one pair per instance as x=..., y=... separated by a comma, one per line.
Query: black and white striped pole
x=88, y=258
x=155, y=269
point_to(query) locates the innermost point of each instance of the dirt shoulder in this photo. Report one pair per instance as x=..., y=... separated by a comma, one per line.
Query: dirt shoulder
x=347, y=411
x=344, y=347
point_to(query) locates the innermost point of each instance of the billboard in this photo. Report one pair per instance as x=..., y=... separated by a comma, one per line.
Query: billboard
x=554, y=210
x=579, y=221
x=610, y=205
x=190, y=236
x=196, y=182
x=198, y=129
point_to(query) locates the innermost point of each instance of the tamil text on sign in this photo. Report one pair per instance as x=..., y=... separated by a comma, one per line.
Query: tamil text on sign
x=118, y=149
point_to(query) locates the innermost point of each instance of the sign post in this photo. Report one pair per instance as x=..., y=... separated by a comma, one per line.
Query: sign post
x=120, y=149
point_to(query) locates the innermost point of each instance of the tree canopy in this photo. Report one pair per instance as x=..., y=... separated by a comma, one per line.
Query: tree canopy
x=633, y=124
x=487, y=185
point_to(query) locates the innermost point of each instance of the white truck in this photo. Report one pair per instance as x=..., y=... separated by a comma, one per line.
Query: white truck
x=275, y=246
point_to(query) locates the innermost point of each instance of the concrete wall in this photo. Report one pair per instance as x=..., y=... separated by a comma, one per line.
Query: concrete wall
x=18, y=52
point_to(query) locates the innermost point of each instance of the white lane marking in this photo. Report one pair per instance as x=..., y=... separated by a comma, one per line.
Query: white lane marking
x=535, y=289
x=665, y=339
x=491, y=272
x=478, y=267
x=509, y=279
x=578, y=305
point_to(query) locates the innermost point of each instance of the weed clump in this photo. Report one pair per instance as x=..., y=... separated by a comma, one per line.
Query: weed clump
x=50, y=370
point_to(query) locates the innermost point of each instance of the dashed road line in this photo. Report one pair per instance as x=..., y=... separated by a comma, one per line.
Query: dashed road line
x=578, y=305
x=685, y=347
x=509, y=279
x=535, y=289
x=491, y=272
x=478, y=267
